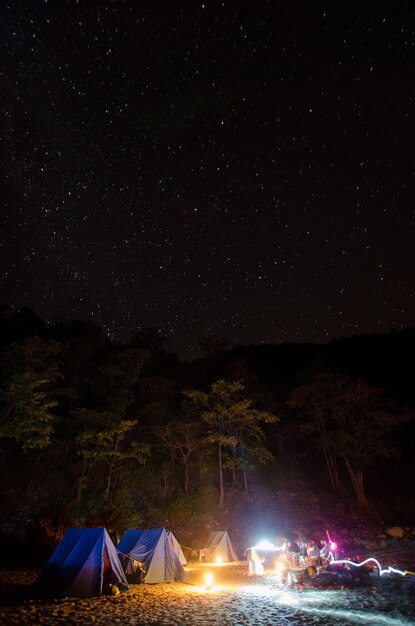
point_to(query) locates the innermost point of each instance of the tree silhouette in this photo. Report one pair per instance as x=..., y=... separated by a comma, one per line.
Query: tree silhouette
x=183, y=439
x=30, y=392
x=351, y=419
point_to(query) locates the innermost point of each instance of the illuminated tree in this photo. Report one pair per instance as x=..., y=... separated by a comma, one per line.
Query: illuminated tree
x=231, y=419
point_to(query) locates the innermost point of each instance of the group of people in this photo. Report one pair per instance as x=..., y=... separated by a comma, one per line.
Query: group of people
x=289, y=556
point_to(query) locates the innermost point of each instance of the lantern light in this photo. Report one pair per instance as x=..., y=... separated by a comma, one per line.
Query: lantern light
x=265, y=545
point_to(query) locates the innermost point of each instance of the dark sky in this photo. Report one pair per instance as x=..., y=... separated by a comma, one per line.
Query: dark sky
x=243, y=169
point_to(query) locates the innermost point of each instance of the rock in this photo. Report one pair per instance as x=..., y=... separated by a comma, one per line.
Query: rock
x=396, y=532
x=114, y=590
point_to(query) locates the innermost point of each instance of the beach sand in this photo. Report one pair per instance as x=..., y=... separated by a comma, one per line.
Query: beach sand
x=234, y=599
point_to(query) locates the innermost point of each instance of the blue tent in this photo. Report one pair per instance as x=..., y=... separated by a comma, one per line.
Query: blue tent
x=153, y=549
x=84, y=564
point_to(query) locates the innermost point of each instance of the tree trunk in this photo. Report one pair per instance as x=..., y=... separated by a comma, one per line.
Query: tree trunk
x=331, y=462
x=109, y=478
x=234, y=468
x=281, y=450
x=81, y=483
x=164, y=487
x=221, y=487
x=356, y=476
x=32, y=474
x=186, y=476
x=244, y=472
x=245, y=481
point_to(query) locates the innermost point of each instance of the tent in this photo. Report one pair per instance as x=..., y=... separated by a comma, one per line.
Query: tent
x=85, y=563
x=154, y=550
x=176, y=547
x=219, y=546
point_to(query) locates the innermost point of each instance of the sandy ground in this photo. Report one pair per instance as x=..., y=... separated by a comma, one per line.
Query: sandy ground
x=235, y=599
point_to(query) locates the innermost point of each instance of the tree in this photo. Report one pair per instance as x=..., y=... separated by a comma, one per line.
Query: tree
x=352, y=420
x=107, y=444
x=30, y=393
x=183, y=439
x=232, y=420
x=315, y=400
x=102, y=422
x=213, y=345
x=150, y=340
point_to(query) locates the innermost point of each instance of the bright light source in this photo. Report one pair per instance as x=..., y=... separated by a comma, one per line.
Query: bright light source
x=218, y=560
x=265, y=545
x=209, y=581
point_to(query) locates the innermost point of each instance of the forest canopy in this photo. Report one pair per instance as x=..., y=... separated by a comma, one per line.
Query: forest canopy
x=127, y=434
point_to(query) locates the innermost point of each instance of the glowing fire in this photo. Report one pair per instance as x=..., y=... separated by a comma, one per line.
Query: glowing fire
x=218, y=560
x=209, y=581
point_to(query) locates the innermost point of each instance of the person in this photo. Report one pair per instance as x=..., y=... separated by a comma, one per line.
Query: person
x=324, y=550
x=139, y=572
x=251, y=563
x=302, y=544
x=312, y=553
x=258, y=562
x=293, y=552
x=255, y=567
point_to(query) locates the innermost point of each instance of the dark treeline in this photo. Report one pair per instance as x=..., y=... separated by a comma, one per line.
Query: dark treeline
x=126, y=434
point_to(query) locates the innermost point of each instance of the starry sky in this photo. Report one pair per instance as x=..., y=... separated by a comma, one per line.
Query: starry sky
x=209, y=168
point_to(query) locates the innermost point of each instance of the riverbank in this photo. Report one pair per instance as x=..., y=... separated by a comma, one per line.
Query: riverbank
x=234, y=599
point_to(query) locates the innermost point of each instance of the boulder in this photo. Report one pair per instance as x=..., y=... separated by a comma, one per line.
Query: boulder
x=395, y=531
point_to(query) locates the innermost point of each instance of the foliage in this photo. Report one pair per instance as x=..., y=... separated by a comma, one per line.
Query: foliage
x=233, y=423
x=107, y=444
x=105, y=428
x=190, y=511
x=351, y=420
x=183, y=440
x=30, y=393
x=115, y=513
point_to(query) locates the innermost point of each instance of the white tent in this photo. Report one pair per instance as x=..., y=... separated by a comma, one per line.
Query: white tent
x=176, y=547
x=219, y=546
x=153, y=549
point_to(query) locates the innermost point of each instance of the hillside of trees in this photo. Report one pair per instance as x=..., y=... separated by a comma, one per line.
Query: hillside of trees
x=95, y=432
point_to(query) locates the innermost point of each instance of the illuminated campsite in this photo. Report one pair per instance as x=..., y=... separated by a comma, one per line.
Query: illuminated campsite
x=281, y=588
x=207, y=313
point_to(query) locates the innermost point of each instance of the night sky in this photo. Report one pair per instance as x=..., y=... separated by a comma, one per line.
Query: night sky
x=242, y=169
